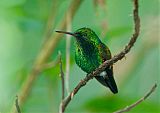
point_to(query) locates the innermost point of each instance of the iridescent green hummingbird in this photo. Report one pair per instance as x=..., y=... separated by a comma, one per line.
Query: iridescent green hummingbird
x=90, y=53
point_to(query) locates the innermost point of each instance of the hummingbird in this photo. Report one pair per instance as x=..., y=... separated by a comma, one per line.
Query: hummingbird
x=90, y=53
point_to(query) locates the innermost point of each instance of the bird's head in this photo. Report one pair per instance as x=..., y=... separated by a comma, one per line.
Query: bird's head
x=83, y=35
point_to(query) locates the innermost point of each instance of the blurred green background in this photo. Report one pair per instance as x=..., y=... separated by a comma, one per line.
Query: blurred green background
x=25, y=25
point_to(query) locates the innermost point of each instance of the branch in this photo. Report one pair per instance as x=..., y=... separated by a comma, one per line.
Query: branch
x=68, y=44
x=128, y=108
x=112, y=60
x=17, y=105
x=62, y=77
x=45, y=53
x=63, y=87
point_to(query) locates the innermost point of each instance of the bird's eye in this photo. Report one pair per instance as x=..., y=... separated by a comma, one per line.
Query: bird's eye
x=78, y=50
x=78, y=34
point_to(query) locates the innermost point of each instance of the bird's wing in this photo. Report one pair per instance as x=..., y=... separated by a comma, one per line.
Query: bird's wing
x=106, y=78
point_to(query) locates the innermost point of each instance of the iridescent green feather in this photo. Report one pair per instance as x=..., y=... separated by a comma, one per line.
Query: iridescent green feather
x=90, y=53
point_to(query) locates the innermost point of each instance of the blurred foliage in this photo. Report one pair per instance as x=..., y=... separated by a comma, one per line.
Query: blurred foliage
x=23, y=31
x=106, y=104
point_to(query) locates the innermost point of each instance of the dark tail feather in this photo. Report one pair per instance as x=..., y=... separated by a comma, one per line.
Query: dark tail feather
x=112, y=84
x=108, y=81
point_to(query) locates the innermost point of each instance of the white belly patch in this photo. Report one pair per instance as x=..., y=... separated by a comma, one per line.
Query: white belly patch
x=103, y=74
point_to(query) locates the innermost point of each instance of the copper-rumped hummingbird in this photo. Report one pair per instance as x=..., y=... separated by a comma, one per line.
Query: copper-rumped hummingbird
x=90, y=53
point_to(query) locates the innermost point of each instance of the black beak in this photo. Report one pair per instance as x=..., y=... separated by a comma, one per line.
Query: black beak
x=69, y=33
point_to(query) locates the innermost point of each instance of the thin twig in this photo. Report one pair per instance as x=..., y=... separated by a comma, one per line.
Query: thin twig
x=68, y=44
x=112, y=60
x=45, y=53
x=60, y=108
x=63, y=87
x=128, y=108
x=62, y=77
x=17, y=105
